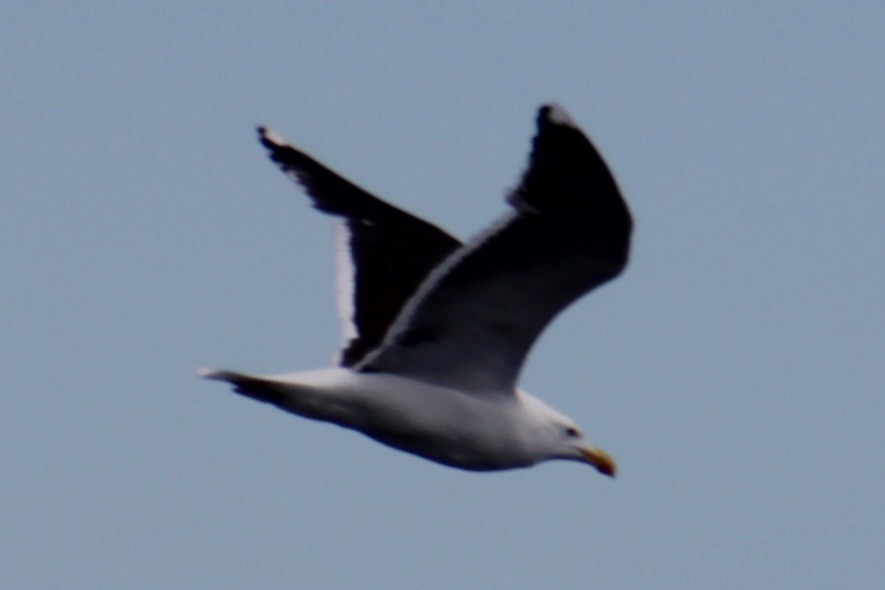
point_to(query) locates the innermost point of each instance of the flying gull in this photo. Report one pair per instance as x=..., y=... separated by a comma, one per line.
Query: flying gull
x=436, y=331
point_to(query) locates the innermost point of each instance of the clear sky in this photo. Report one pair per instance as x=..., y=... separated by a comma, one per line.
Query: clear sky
x=736, y=371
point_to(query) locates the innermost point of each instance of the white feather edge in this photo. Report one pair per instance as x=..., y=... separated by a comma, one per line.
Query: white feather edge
x=344, y=283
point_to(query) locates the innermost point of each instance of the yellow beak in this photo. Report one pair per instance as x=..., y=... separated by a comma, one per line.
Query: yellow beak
x=599, y=459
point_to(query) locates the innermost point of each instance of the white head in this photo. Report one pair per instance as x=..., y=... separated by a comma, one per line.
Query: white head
x=556, y=436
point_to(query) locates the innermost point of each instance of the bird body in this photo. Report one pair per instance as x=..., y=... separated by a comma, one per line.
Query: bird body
x=477, y=433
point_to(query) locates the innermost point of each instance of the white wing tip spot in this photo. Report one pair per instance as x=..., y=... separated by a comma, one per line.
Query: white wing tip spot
x=207, y=373
x=271, y=136
x=558, y=115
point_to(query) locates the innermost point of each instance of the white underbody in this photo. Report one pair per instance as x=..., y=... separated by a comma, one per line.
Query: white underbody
x=475, y=432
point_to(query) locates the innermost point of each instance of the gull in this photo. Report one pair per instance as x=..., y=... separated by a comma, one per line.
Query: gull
x=436, y=331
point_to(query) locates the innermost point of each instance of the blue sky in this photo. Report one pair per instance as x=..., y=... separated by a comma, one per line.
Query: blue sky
x=735, y=371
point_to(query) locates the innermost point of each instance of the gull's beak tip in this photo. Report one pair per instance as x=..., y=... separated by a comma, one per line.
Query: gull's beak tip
x=601, y=460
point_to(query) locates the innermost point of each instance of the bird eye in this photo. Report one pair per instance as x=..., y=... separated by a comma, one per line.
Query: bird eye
x=572, y=431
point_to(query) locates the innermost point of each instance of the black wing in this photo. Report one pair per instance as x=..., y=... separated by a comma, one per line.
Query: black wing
x=390, y=251
x=472, y=322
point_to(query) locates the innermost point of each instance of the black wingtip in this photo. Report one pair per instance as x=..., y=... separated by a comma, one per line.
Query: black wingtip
x=262, y=136
x=269, y=138
x=553, y=114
